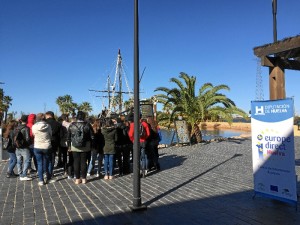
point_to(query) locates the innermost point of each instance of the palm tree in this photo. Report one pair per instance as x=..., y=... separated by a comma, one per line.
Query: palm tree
x=6, y=104
x=66, y=104
x=85, y=107
x=209, y=104
x=182, y=99
x=215, y=105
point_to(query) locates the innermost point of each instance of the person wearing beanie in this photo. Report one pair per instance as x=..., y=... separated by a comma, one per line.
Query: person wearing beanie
x=22, y=134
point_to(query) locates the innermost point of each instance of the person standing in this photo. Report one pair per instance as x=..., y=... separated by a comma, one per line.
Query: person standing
x=97, y=150
x=109, y=150
x=143, y=142
x=64, y=141
x=21, y=141
x=55, y=127
x=80, y=140
x=9, y=132
x=42, y=145
x=123, y=145
x=30, y=122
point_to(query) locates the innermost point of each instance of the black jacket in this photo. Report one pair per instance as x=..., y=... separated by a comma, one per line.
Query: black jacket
x=26, y=134
x=56, y=127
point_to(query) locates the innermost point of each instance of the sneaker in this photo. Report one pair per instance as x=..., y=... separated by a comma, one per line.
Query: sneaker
x=110, y=177
x=25, y=178
x=45, y=178
x=105, y=177
x=8, y=175
x=41, y=183
x=51, y=181
x=84, y=181
x=70, y=177
x=97, y=175
x=88, y=175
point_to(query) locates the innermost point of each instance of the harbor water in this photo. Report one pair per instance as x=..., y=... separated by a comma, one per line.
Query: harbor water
x=167, y=135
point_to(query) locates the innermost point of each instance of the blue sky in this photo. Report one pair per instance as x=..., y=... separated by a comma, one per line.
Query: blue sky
x=52, y=48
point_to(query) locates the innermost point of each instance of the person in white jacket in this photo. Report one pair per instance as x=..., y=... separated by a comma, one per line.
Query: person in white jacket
x=42, y=145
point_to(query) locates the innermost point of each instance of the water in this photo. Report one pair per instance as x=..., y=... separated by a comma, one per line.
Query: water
x=206, y=134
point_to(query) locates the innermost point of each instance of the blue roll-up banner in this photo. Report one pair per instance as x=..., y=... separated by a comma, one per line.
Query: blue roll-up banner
x=273, y=150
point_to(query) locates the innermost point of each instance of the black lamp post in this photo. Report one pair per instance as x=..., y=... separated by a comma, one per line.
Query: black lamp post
x=274, y=10
x=137, y=200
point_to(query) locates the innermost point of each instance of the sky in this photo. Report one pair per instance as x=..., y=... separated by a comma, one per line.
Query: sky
x=51, y=48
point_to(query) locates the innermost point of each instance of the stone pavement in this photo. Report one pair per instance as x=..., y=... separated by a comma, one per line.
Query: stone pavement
x=203, y=184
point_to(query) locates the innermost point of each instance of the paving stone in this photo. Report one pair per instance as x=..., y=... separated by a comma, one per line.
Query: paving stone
x=199, y=184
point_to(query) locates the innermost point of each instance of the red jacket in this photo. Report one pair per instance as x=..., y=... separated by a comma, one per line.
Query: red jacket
x=131, y=132
x=30, y=122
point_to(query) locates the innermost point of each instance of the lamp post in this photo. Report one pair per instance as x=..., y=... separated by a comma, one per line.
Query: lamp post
x=274, y=10
x=137, y=200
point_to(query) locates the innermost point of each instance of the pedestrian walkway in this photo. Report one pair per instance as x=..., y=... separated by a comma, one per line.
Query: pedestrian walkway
x=208, y=183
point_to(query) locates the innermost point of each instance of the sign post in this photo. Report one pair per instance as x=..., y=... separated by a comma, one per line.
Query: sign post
x=273, y=150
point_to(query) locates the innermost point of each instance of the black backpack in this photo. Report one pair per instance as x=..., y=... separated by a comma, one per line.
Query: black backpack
x=78, y=136
x=19, y=139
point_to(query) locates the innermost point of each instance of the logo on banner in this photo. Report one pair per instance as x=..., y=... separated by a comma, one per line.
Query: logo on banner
x=259, y=110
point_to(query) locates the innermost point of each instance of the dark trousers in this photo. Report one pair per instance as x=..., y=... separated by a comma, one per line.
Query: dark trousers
x=123, y=158
x=80, y=164
x=63, y=151
x=70, y=164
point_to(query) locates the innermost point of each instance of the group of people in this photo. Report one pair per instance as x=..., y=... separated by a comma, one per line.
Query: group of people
x=39, y=139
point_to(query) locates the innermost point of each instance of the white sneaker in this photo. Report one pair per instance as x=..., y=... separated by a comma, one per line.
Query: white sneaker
x=51, y=181
x=25, y=178
x=40, y=183
x=88, y=175
x=97, y=175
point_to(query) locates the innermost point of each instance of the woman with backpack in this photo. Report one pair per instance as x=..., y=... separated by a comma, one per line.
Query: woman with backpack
x=80, y=140
x=8, y=136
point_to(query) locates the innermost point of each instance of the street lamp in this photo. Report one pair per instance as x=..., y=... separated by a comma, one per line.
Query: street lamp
x=137, y=201
x=274, y=10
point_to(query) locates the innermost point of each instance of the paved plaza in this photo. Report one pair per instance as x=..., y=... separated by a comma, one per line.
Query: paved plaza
x=208, y=183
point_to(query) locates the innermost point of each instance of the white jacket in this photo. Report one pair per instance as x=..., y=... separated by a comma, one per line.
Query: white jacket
x=42, y=135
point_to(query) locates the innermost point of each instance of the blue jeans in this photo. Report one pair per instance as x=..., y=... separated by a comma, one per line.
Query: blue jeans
x=95, y=156
x=42, y=158
x=108, y=164
x=144, y=159
x=12, y=161
x=23, y=153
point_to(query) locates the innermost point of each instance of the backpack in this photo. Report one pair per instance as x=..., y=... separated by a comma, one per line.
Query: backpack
x=6, y=142
x=78, y=139
x=19, y=140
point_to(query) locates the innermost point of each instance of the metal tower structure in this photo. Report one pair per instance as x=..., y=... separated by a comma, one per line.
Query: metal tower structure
x=259, y=94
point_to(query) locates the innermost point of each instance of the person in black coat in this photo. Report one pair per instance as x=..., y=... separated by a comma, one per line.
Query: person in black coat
x=55, y=140
x=123, y=146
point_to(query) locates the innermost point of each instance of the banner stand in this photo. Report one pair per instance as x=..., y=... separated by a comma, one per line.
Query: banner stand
x=273, y=150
